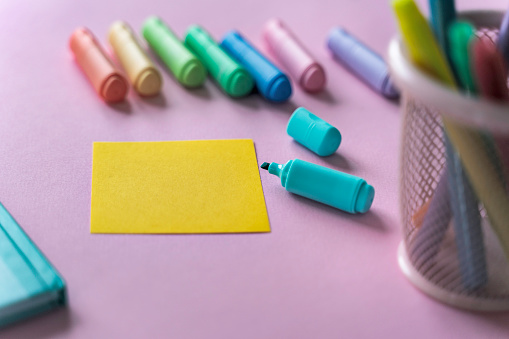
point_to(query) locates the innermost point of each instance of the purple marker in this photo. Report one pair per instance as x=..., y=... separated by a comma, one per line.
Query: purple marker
x=503, y=39
x=362, y=61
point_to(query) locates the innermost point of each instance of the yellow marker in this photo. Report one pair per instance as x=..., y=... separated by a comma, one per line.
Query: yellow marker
x=141, y=71
x=420, y=42
x=427, y=55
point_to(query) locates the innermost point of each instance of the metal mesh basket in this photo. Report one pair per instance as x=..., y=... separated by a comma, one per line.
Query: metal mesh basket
x=453, y=149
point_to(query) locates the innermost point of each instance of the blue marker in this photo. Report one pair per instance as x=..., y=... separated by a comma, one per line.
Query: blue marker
x=337, y=189
x=314, y=133
x=273, y=84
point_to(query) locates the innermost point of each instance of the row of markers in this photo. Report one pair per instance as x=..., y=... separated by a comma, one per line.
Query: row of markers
x=235, y=64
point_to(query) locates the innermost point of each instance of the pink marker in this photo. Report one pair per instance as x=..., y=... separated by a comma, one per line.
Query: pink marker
x=292, y=55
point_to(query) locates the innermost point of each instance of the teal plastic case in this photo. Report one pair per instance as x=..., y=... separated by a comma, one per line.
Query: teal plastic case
x=29, y=284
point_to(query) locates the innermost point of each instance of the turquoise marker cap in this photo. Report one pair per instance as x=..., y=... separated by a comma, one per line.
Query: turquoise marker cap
x=313, y=132
x=337, y=189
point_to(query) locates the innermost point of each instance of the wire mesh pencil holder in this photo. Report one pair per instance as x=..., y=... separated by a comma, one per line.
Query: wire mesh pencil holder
x=454, y=185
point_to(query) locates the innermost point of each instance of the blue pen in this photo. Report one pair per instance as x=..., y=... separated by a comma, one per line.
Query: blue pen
x=272, y=83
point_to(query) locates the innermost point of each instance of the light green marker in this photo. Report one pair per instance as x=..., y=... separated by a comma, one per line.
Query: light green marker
x=231, y=76
x=184, y=65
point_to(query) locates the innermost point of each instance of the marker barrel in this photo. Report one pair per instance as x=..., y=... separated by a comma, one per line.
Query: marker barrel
x=467, y=223
x=106, y=79
x=186, y=67
x=290, y=52
x=229, y=74
x=362, y=61
x=273, y=84
x=141, y=71
x=337, y=189
x=503, y=39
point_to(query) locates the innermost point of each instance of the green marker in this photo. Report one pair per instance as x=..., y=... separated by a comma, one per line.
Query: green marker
x=461, y=35
x=184, y=65
x=231, y=76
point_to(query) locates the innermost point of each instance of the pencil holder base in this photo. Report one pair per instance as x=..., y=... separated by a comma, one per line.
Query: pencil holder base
x=466, y=302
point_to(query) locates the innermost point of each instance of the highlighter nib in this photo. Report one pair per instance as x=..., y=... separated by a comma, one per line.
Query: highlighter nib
x=265, y=166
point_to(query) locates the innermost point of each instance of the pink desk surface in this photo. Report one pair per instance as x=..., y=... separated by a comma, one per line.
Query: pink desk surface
x=320, y=273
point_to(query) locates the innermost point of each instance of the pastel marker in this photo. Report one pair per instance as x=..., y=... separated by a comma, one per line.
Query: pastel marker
x=183, y=64
x=425, y=53
x=141, y=71
x=292, y=54
x=464, y=203
x=107, y=80
x=337, y=189
x=228, y=73
x=443, y=14
x=461, y=39
x=503, y=39
x=272, y=84
x=313, y=132
x=490, y=70
x=468, y=233
x=362, y=61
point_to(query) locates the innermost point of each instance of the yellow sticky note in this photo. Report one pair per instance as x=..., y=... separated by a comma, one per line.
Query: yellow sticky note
x=203, y=186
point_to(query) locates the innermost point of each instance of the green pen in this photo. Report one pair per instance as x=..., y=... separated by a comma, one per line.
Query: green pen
x=231, y=76
x=461, y=35
x=183, y=64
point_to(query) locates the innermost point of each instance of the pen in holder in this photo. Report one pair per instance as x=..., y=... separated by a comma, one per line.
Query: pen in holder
x=447, y=142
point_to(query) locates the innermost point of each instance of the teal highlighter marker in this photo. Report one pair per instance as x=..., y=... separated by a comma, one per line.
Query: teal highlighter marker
x=337, y=189
x=443, y=14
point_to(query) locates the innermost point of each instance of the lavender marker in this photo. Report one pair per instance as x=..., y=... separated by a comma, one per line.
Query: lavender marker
x=362, y=61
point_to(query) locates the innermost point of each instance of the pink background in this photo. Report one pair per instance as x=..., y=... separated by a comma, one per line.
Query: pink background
x=321, y=273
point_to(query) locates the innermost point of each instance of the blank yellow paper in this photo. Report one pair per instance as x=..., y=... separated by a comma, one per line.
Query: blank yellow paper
x=205, y=186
